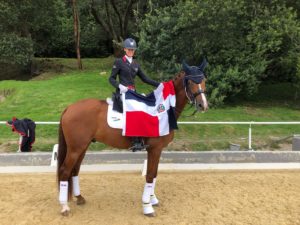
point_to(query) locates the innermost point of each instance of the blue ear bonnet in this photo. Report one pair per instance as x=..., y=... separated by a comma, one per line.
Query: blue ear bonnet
x=194, y=73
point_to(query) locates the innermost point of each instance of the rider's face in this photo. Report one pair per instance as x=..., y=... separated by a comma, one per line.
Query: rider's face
x=129, y=52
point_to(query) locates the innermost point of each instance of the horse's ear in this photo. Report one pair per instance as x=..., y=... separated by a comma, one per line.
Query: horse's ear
x=203, y=65
x=185, y=67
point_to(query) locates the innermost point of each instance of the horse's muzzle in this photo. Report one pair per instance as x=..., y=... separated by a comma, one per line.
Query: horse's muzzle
x=202, y=105
x=201, y=108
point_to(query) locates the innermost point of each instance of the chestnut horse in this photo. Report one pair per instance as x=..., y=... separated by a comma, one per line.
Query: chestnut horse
x=86, y=120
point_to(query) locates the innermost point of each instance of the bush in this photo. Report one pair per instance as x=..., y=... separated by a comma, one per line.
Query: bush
x=242, y=41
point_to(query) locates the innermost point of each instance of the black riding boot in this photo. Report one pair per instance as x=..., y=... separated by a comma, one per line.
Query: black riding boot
x=137, y=144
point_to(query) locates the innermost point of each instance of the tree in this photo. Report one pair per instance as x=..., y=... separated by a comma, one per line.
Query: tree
x=16, y=46
x=296, y=80
x=113, y=16
x=25, y=28
x=76, y=32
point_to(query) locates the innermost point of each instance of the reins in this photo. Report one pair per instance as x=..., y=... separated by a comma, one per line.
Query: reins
x=183, y=116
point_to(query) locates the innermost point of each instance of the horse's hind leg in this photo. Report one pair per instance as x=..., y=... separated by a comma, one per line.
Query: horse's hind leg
x=75, y=180
x=65, y=175
x=65, y=172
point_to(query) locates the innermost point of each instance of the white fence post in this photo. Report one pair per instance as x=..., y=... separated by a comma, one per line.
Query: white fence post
x=54, y=155
x=250, y=137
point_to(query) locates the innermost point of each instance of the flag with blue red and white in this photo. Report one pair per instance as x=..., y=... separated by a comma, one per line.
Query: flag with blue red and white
x=152, y=115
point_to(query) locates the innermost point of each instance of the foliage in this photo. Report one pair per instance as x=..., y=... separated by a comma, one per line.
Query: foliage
x=26, y=28
x=15, y=46
x=93, y=41
x=44, y=28
x=15, y=49
x=244, y=42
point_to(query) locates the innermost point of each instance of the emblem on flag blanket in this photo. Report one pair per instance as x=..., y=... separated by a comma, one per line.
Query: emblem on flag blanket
x=161, y=108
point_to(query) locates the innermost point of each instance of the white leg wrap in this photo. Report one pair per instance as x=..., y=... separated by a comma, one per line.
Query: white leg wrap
x=153, y=186
x=153, y=199
x=147, y=206
x=147, y=192
x=76, y=188
x=63, y=192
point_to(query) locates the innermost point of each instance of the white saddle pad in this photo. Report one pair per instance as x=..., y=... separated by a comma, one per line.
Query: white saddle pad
x=114, y=118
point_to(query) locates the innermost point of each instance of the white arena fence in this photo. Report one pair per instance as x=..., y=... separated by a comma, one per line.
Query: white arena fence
x=249, y=123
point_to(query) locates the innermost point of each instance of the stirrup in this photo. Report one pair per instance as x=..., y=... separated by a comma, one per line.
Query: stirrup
x=138, y=147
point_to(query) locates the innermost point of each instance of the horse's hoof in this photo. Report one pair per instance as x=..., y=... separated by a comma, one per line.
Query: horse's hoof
x=65, y=210
x=154, y=201
x=148, y=210
x=80, y=200
x=155, y=205
x=150, y=214
x=65, y=213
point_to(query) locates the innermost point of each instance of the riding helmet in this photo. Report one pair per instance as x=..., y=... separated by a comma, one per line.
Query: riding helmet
x=130, y=43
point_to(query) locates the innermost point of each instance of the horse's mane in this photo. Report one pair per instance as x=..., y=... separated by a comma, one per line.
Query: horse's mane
x=179, y=75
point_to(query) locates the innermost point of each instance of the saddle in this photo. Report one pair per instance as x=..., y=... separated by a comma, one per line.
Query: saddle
x=115, y=120
x=114, y=117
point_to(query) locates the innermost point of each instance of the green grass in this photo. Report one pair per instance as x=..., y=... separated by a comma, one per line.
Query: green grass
x=44, y=97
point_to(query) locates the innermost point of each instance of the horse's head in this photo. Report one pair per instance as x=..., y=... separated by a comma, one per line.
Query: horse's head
x=194, y=85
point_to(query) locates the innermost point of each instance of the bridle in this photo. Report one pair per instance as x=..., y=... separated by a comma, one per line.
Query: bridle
x=196, y=75
x=192, y=96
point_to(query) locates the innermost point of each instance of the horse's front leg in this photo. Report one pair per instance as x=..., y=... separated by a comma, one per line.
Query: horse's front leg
x=149, y=199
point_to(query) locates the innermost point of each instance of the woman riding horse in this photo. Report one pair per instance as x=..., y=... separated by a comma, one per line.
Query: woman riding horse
x=126, y=68
x=86, y=120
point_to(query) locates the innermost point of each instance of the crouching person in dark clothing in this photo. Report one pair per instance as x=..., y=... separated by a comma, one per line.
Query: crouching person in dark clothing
x=26, y=129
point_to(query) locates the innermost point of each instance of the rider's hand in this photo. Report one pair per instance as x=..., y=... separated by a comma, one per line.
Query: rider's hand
x=123, y=88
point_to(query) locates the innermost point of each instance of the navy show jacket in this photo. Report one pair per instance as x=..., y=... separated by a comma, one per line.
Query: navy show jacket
x=127, y=72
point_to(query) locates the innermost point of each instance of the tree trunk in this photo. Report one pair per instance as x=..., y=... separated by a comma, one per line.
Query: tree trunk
x=76, y=33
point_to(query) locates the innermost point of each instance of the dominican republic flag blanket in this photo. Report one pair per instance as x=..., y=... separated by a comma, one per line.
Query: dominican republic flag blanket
x=152, y=115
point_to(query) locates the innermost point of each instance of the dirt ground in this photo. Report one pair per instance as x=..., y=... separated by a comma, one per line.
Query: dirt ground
x=199, y=197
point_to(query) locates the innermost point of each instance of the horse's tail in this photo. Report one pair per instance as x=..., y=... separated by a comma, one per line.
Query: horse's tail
x=62, y=152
